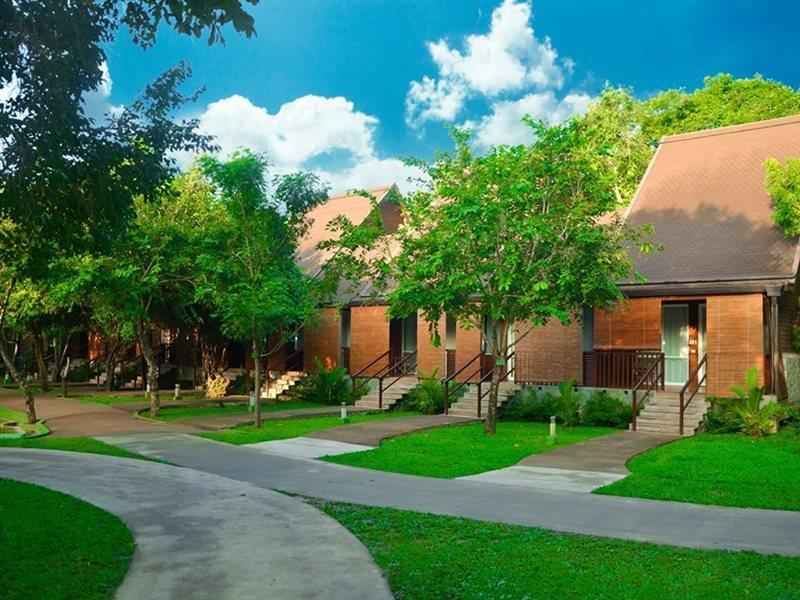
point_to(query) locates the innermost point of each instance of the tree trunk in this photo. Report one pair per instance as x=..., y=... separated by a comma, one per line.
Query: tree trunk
x=257, y=381
x=143, y=335
x=499, y=351
x=41, y=366
x=30, y=407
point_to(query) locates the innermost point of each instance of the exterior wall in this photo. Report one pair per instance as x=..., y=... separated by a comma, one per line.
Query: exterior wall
x=323, y=341
x=468, y=344
x=428, y=357
x=735, y=340
x=369, y=337
x=549, y=353
x=634, y=324
x=787, y=319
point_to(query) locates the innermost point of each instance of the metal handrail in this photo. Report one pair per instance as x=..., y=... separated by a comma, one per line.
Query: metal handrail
x=658, y=367
x=387, y=372
x=353, y=376
x=460, y=384
x=692, y=375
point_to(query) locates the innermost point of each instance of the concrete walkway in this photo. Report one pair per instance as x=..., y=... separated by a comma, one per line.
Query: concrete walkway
x=216, y=422
x=581, y=467
x=374, y=432
x=204, y=536
x=672, y=523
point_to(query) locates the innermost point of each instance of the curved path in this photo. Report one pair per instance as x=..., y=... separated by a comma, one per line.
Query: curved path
x=204, y=536
x=673, y=523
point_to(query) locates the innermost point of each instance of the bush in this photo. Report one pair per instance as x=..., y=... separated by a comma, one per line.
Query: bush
x=527, y=406
x=428, y=396
x=215, y=387
x=719, y=418
x=745, y=411
x=326, y=386
x=241, y=386
x=569, y=404
x=605, y=410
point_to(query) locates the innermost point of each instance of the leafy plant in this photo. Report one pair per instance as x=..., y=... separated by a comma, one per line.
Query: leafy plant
x=748, y=412
x=326, y=386
x=603, y=409
x=569, y=404
x=526, y=405
x=216, y=386
x=428, y=396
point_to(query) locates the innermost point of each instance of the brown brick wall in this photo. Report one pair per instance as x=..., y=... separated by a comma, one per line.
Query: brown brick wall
x=633, y=324
x=323, y=341
x=735, y=340
x=428, y=357
x=369, y=337
x=549, y=353
x=468, y=344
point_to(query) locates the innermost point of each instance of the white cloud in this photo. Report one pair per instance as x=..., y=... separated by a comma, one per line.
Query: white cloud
x=504, y=125
x=300, y=131
x=509, y=58
x=96, y=104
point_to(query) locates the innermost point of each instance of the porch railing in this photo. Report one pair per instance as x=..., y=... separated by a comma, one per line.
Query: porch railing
x=651, y=379
x=617, y=368
x=393, y=372
x=693, y=376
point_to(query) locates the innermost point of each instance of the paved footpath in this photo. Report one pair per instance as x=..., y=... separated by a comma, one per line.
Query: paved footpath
x=673, y=523
x=581, y=467
x=205, y=536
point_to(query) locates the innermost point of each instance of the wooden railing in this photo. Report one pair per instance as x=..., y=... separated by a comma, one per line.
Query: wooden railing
x=614, y=368
x=488, y=377
x=692, y=377
x=394, y=371
x=650, y=380
x=366, y=379
x=449, y=388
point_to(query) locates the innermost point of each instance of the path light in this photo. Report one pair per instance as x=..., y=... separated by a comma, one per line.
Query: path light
x=147, y=392
x=552, y=437
x=344, y=411
x=177, y=391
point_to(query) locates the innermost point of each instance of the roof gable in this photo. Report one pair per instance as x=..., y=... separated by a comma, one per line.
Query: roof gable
x=705, y=196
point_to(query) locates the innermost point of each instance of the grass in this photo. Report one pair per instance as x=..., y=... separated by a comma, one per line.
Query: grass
x=457, y=451
x=166, y=395
x=56, y=546
x=281, y=429
x=724, y=469
x=37, y=428
x=73, y=444
x=428, y=556
x=174, y=413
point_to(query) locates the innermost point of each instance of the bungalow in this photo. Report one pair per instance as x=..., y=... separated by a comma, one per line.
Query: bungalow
x=718, y=298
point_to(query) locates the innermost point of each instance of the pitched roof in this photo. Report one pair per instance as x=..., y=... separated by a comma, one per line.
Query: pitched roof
x=705, y=195
x=356, y=208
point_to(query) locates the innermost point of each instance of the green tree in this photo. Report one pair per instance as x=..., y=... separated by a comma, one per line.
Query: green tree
x=783, y=185
x=522, y=234
x=66, y=181
x=251, y=279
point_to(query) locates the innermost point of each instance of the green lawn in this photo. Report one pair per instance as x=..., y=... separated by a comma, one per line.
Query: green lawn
x=282, y=429
x=427, y=556
x=462, y=450
x=72, y=444
x=169, y=413
x=725, y=469
x=10, y=415
x=56, y=546
x=166, y=395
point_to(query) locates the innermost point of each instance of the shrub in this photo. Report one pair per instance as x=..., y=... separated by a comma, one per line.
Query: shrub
x=745, y=410
x=569, y=404
x=720, y=419
x=428, y=396
x=216, y=386
x=527, y=406
x=605, y=410
x=241, y=386
x=326, y=386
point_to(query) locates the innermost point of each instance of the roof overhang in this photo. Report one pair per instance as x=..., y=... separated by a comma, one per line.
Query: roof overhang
x=771, y=287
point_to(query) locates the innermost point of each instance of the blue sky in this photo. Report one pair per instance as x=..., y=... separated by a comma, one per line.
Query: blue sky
x=347, y=87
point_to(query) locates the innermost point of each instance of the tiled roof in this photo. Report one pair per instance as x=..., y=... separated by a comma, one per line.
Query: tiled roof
x=705, y=196
x=355, y=208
